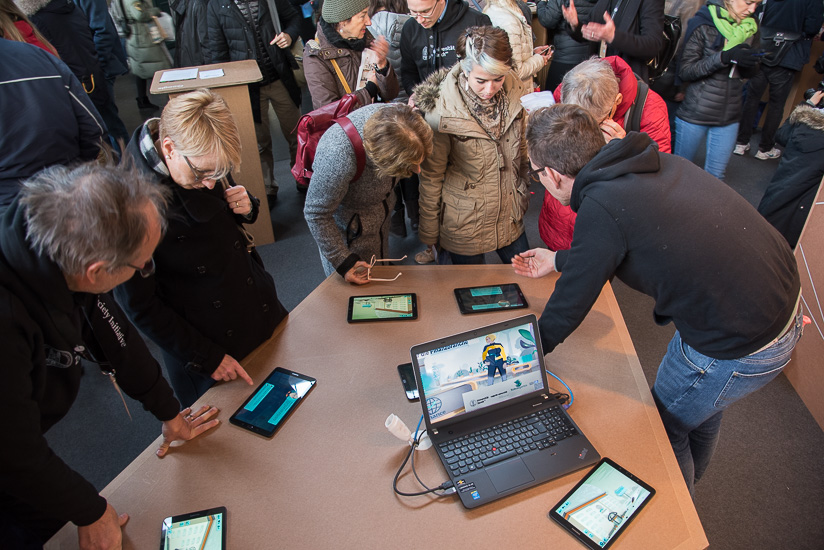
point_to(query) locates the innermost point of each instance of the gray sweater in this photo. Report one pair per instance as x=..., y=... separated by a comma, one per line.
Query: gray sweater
x=349, y=221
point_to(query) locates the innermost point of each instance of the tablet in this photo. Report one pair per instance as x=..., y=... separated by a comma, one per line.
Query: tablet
x=272, y=402
x=479, y=299
x=205, y=530
x=386, y=307
x=599, y=508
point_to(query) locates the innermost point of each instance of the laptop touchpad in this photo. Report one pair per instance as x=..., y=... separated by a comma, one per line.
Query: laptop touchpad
x=509, y=474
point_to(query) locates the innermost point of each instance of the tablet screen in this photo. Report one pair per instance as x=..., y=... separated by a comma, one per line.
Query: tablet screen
x=267, y=408
x=205, y=530
x=490, y=298
x=382, y=308
x=599, y=508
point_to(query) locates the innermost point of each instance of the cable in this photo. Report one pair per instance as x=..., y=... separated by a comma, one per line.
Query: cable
x=571, y=397
x=445, y=486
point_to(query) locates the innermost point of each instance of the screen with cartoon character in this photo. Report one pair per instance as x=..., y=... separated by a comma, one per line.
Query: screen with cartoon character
x=382, y=308
x=204, y=530
x=473, y=374
x=275, y=398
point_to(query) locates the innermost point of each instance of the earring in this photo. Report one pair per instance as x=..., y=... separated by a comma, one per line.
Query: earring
x=168, y=157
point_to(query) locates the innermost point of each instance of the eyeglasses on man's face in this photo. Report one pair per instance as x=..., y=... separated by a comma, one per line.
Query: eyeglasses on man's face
x=199, y=174
x=147, y=269
x=535, y=173
x=425, y=14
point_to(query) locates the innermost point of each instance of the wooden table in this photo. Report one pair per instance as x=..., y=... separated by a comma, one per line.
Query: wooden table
x=325, y=479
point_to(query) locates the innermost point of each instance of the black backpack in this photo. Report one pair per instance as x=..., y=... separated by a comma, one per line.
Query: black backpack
x=633, y=116
x=672, y=32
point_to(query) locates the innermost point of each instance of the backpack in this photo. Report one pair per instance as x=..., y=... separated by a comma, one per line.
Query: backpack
x=672, y=33
x=632, y=120
x=314, y=124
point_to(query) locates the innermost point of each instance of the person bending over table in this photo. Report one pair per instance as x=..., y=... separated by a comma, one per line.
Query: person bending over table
x=207, y=300
x=714, y=266
x=350, y=219
x=67, y=239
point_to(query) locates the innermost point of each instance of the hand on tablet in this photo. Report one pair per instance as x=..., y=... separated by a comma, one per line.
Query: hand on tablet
x=187, y=425
x=358, y=275
x=534, y=263
x=229, y=370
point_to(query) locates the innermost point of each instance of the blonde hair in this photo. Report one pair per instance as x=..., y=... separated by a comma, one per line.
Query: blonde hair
x=199, y=124
x=9, y=13
x=396, y=140
x=592, y=85
x=487, y=47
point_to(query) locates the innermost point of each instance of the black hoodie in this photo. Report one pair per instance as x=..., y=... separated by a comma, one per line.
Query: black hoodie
x=424, y=51
x=666, y=228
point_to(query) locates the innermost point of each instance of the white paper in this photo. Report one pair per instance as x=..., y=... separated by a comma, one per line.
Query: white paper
x=214, y=73
x=180, y=74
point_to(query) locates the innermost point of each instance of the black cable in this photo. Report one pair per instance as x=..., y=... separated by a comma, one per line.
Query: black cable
x=442, y=487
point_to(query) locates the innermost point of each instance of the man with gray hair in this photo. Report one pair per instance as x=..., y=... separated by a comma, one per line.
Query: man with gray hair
x=672, y=231
x=66, y=241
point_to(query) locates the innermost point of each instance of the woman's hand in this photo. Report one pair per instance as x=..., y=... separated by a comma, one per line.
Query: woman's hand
x=229, y=369
x=545, y=52
x=238, y=200
x=381, y=48
x=282, y=41
x=534, y=263
x=359, y=274
x=187, y=425
x=595, y=32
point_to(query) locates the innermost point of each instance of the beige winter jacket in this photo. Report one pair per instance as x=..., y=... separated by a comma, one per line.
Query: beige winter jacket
x=473, y=190
x=527, y=64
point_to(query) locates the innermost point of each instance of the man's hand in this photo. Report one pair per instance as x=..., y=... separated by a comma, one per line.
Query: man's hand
x=282, y=41
x=187, y=425
x=570, y=14
x=103, y=534
x=359, y=274
x=596, y=32
x=229, y=369
x=612, y=130
x=534, y=263
x=381, y=48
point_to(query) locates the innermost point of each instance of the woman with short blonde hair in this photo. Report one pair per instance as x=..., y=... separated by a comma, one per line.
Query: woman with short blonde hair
x=205, y=299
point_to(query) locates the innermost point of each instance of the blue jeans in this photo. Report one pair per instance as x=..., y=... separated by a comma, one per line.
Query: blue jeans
x=691, y=391
x=720, y=144
x=506, y=253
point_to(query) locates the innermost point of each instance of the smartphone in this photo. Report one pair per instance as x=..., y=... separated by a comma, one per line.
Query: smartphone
x=598, y=509
x=410, y=386
x=267, y=409
x=480, y=299
x=205, y=529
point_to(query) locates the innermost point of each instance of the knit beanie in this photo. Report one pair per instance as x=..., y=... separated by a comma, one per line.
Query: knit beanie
x=335, y=11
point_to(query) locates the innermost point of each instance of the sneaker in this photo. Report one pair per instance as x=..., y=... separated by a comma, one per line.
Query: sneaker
x=425, y=257
x=741, y=149
x=768, y=155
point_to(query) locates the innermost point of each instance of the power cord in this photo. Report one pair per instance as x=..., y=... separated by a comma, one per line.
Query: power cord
x=563, y=396
x=447, y=487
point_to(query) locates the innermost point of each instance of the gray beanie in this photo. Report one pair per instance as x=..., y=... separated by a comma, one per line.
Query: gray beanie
x=335, y=11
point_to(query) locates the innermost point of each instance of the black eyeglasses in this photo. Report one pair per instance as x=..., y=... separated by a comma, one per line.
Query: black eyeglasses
x=147, y=269
x=199, y=175
x=535, y=173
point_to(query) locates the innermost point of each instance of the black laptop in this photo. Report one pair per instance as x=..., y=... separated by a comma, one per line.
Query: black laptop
x=488, y=409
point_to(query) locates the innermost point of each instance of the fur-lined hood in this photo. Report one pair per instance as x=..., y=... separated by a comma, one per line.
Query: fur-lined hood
x=806, y=114
x=428, y=92
x=30, y=7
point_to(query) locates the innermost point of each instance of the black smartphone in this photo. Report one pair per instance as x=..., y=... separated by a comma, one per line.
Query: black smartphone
x=481, y=299
x=384, y=307
x=267, y=409
x=205, y=529
x=410, y=386
x=598, y=509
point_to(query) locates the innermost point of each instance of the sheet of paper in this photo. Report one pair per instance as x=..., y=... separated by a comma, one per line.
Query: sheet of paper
x=369, y=62
x=179, y=74
x=214, y=73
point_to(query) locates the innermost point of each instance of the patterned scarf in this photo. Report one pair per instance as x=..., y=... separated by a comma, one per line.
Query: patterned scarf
x=148, y=135
x=491, y=114
x=735, y=33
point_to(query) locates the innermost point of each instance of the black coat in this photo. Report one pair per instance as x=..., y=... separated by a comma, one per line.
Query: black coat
x=802, y=16
x=208, y=297
x=191, y=32
x=790, y=194
x=230, y=38
x=568, y=51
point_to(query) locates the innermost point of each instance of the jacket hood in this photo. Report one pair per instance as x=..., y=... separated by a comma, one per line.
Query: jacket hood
x=428, y=91
x=812, y=117
x=635, y=154
x=455, y=9
x=30, y=7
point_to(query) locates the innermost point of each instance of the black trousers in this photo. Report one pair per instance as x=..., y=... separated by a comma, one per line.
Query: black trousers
x=780, y=81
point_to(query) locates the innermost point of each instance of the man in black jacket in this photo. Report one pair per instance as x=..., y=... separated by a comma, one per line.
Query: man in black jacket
x=715, y=267
x=244, y=29
x=428, y=37
x=68, y=239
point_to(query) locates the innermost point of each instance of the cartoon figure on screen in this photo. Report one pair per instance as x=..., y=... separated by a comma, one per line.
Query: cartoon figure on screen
x=494, y=357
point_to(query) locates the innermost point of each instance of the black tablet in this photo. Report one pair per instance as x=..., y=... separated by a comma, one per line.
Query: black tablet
x=479, y=299
x=205, y=530
x=272, y=402
x=599, y=508
x=386, y=307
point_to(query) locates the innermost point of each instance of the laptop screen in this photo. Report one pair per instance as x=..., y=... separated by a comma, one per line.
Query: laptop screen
x=486, y=369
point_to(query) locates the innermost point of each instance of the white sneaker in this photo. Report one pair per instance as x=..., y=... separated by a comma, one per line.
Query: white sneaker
x=741, y=149
x=768, y=155
x=425, y=256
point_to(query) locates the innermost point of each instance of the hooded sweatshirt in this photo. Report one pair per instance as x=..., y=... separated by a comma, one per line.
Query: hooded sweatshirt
x=666, y=228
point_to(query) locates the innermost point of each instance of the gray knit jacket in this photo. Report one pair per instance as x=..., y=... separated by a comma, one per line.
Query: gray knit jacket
x=349, y=221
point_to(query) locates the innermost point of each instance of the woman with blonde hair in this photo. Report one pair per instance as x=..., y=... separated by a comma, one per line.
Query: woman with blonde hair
x=205, y=298
x=474, y=184
x=349, y=217
x=507, y=15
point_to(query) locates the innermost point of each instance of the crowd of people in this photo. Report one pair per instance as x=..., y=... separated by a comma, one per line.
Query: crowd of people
x=91, y=248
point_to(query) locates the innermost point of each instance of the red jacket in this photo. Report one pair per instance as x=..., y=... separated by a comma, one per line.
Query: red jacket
x=29, y=36
x=556, y=222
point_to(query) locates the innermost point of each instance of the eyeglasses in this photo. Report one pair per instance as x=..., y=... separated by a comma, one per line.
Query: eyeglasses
x=372, y=263
x=535, y=173
x=147, y=269
x=199, y=175
x=425, y=14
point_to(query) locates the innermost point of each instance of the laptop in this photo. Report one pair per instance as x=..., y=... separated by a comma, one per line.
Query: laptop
x=490, y=414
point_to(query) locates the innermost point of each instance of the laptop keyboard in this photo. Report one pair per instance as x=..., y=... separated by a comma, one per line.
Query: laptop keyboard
x=539, y=430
